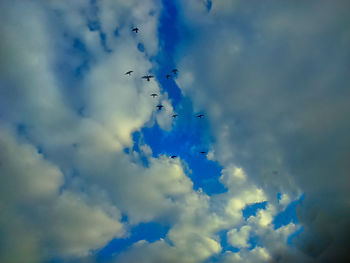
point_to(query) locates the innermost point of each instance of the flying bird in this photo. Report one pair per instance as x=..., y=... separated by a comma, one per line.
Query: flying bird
x=135, y=29
x=148, y=77
x=174, y=115
x=154, y=95
x=167, y=76
x=173, y=156
x=200, y=116
x=160, y=106
x=174, y=71
x=129, y=72
x=203, y=152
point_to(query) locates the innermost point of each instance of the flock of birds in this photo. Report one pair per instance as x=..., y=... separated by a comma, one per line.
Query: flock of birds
x=160, y=106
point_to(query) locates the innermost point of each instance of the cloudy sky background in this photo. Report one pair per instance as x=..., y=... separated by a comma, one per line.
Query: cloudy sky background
x=85, y=173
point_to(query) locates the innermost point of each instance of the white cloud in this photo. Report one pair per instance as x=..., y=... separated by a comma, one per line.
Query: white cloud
x=37, y=217
x=284, y=200
x=239, y=238
x=78, y=227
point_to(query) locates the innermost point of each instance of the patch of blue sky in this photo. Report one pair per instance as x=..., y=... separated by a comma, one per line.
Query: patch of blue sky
x=186, y=144
x=253, y=241
x=290, y=239
x=168, y=38
x=250, y=210
x=225, y=245
x=138, y=140
x=288, y=215
x=141, y=47
x=189, y=135
x=144, y=231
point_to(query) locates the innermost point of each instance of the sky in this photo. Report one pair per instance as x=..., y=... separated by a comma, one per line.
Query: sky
x=86, y=173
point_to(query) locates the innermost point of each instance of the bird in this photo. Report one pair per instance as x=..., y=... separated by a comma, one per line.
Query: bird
x=135, y=29
x=173, y=156
x=167, y=76
x=129, y=72
x=174, y=115
x=154, y=95
x=203, y=152
x=175, y=71
x=148, y=77
x=160, y=106
x=200, y=116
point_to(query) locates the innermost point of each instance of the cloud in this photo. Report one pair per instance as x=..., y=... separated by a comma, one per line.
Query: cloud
x=273, y=81
x=68, y=111
x=37, y=217
x=46, y=141
x=239, y=238
x=64, y=154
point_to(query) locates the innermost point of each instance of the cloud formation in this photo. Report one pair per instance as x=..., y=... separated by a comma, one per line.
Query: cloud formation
x=55, y=200
x=274, y=80
x=272, y=84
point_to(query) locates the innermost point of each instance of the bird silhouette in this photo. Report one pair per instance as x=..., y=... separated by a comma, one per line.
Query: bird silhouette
x=154, y=95
x=148, y=77
x=173, y=156
x=174, y=71
x=174, y=115
x=167, y=76
x=135, y=29
x=203, y=152
x=200, y=116
x=160, y=106
x=129, y=72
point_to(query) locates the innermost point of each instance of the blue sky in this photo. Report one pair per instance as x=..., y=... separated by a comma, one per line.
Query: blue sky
x=85, y=155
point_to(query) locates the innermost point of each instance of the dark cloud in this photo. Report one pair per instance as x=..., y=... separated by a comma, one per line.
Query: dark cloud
x=274, y=80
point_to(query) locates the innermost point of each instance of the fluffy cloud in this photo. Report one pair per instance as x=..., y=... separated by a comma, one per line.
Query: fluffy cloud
x=239, y=238
x=37, y=217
